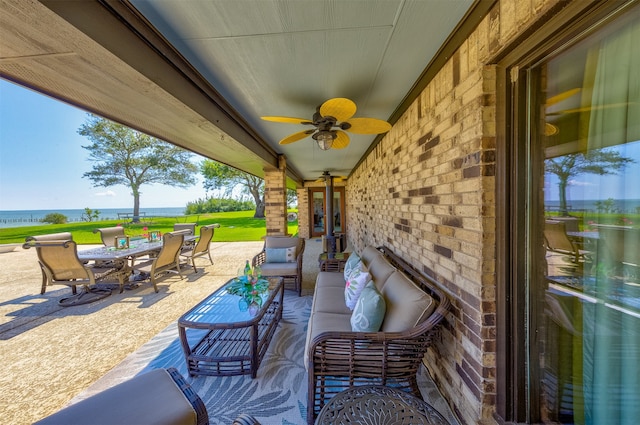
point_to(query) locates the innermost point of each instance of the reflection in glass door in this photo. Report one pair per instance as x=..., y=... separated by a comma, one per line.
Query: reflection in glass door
x=585, y=297
x=318, y=211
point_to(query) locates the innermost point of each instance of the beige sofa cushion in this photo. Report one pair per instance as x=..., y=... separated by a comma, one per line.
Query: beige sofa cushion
x=329, y=299
x=407, y=304
x=324, y=322
x=369, y=253
x=332, y=279
x=380, y=270
x=150, y=398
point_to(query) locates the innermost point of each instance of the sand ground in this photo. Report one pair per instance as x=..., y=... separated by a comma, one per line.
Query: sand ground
x=51, y=353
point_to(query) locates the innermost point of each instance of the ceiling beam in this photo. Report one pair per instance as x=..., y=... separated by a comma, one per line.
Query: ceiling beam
x=118, y=27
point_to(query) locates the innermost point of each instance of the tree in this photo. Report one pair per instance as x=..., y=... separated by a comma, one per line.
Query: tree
x=128, y=157
x=597, y=161
x=90, y=215
x=54, y=218
x=218, y=176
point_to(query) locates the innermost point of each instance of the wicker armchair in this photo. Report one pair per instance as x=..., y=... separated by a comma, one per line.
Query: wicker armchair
x=339, y=360
x=290, y=271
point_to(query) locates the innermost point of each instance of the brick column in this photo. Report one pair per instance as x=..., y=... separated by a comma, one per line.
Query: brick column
x=303, y=213
x=275, y=198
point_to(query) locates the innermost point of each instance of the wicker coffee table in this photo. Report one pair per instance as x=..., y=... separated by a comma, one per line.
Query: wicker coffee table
x=378, y=405
x=221, y=340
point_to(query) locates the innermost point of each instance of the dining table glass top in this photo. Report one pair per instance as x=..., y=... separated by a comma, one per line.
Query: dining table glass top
x=137, y=247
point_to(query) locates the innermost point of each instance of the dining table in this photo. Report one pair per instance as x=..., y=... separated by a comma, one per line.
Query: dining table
x=137, y=248
x=125, y=257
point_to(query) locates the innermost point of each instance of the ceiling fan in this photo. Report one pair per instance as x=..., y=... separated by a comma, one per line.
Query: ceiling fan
x=326, y=175
x=332, y=120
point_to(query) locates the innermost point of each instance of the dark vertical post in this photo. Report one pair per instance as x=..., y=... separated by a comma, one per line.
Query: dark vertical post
x=331, y=240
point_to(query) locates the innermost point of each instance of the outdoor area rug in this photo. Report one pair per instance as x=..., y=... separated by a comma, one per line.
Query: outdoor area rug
x=277, y=396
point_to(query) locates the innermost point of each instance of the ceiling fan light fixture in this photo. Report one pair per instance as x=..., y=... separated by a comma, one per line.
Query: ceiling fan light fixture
x=324, y=139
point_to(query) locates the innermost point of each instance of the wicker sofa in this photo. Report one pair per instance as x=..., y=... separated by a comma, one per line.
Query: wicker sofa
x=337, y=358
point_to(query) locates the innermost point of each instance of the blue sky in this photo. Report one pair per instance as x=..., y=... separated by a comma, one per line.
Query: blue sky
x=42, y=160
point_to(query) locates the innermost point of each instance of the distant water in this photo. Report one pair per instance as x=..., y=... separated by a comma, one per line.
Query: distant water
x=18, y=218
x=629, y=206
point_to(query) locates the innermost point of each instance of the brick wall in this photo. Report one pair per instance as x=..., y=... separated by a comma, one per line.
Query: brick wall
x=275, y=199
x=303, y=213
x=428, y=192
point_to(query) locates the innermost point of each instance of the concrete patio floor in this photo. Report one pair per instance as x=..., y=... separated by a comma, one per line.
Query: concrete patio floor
x=51, y=353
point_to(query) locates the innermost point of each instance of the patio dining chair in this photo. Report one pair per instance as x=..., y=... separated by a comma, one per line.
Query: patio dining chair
x=557, y=240
x=108, y=234
x=60, y=265
x=167, y=260
x=59, y=237
x=189, y=229
x=185, y=226
x=202, y=247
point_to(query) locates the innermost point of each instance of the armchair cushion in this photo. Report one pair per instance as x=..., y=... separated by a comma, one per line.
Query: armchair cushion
x=280, y=255
x=355, y=284
x=279, y=269
x=369, y=310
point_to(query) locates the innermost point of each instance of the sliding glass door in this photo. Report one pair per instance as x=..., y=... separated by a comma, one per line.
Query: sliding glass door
x=319, y=211
x=583, y=235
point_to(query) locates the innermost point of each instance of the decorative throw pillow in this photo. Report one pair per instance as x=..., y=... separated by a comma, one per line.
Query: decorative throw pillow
x=369, y=311
x=354, y=285
x=350, y=264
x=280, y=255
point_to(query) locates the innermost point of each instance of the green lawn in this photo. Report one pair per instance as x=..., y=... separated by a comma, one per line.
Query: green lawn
x=234, y=226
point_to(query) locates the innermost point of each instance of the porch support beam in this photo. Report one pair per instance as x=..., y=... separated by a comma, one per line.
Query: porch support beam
x=275, y=198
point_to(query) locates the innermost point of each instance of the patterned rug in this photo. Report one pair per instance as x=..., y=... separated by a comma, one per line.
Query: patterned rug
x=278, y=395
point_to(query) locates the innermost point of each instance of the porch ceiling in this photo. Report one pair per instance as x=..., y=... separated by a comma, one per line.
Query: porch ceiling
x=201, y=73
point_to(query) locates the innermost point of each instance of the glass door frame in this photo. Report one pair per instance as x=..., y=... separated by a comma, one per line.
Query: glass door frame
x=312, y=210
x=517, y=384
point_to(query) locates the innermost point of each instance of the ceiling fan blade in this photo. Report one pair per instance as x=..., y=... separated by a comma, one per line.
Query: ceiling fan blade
x=562, y=96
x=296, y=136
x=287, y=120
x=340, y=108
x=368, y=126
x=341, y=141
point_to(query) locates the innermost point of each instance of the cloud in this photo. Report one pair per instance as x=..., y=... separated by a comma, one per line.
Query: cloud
x=110, y=193
x=580, y=183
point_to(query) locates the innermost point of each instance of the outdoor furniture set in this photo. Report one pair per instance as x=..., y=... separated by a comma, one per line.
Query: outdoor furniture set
x=383, y=341
x=61, y=263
